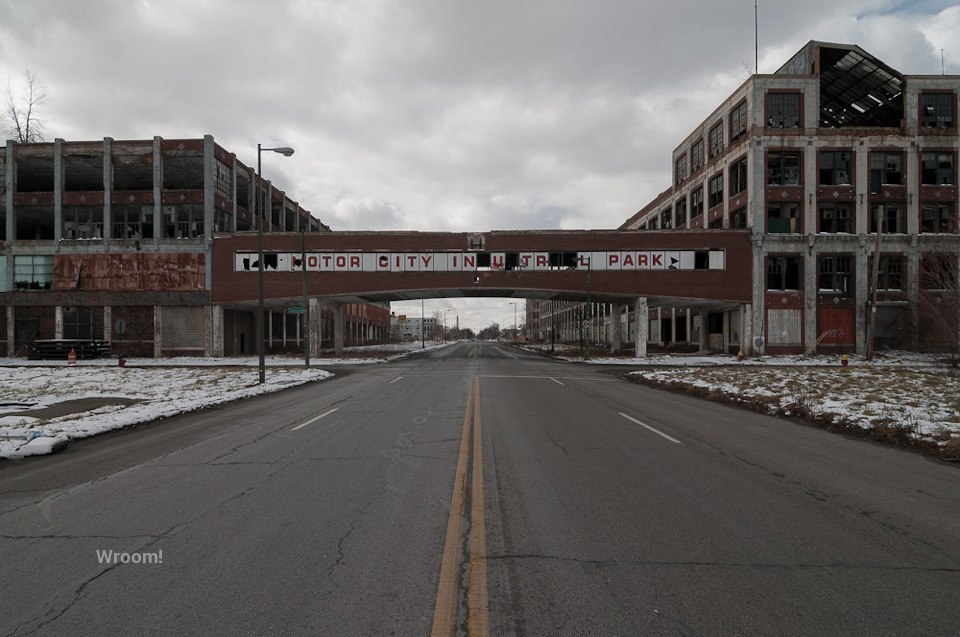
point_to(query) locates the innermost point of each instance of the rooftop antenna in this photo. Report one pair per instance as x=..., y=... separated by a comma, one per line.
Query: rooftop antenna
x=756, y=41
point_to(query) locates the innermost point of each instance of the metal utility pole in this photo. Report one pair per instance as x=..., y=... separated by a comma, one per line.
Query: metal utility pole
x=306, y=300
x=872, y=331
x=423, y=336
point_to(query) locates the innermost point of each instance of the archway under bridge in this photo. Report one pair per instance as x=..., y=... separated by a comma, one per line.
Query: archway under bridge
x=705, y=270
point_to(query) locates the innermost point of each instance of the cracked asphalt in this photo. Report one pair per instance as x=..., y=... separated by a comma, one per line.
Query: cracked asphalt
x=727, y=522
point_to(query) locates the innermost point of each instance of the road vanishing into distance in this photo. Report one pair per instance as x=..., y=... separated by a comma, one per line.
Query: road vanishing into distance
x=479, y=490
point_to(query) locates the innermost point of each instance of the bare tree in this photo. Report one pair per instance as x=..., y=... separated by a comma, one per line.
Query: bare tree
x=22, y=113
x=940, y=303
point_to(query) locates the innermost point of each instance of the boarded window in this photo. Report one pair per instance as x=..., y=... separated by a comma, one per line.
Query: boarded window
x=182, y=327
x=783, y=327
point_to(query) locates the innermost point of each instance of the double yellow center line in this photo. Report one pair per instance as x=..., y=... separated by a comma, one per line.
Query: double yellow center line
x=445, y=614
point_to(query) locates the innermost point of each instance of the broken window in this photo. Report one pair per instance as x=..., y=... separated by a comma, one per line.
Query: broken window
x=835, y=167
x=34, y=223
x=132, y=222
x=681, y=169
x=33, y=272
x=85, y=323
x=182, y=172
x=783, y=272
x=183, y=221
x=936, y=110
x=937, y=217
x=835, y=217
x=715, y=138
x=783, y=110
x=886, y=169
x=783, y=168
x=835, y=275
x=783, y=217
x=696, y=155
x=666, y=219
x=738, y=218
x=890, y=215
x=696, y=202
x=738, y=176
x=133, y=172
x=223, y=180
x=890, y=272
x=82, y=222
x=680, y=213
x=936, y=169
x=715, y=188
x=738, y=121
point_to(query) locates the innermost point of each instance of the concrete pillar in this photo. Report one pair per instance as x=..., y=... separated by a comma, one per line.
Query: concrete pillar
x=10, y=182
x=216, y=328
x=338, y=327
x=157, y=331
x=704, y=329
x=314, y=330
x=58, y=322
x=643, y=324
x=57, y=192
x=811, y=268
x=209, y=171
x=233, y=193
x=862, y=295
x=11, y=330
x=615, y=328
x=107, y=323
x=107, y=190
x=746, y=328
x=157, y=192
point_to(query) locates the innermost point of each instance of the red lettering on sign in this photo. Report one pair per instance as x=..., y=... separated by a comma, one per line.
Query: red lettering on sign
x=354, y=260
x=398, y=261
x=412, y=260
x=628, y=260
x=383, y=261
x=426, y=260
x=658, y=259
x=584, y=260
x=312, y=261
x=643, y=260
x=326, y=260
x=340, y=261
x=613, y=259
x=543, y=261
x=526, y=260
x=496, y=262
x=469, y=260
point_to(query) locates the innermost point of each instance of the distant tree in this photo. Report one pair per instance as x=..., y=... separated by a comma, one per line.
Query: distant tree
x=23, y=111
x=940, y=303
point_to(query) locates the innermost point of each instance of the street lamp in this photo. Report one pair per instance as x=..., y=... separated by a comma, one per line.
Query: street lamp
x=286, y=151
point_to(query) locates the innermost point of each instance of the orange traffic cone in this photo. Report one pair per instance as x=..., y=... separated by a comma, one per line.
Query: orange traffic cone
x=72, y=357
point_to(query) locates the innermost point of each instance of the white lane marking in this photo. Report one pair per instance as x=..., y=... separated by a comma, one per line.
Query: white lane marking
x=656, y=431
x=555, y=380
x=326, y=413
x=394, y=380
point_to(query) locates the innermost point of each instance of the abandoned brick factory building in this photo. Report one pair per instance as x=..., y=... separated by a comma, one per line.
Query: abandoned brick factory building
x=813, y=160
x=95, y=232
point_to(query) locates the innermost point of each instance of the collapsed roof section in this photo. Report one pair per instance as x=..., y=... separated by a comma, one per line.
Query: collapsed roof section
x=856, y=89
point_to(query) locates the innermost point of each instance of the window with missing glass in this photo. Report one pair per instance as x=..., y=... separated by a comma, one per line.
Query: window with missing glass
x=835, y=217
x=715, y=139
x=696, y=156
x=783, y=110
x=783, y=218
x=738, y=121
x=696, y=202
x=82, y=222
x=783, y=272
x=715, y=191
x=936, y=110
x=936, y=169
x=738, y=218
x=890, y=216
x=889, y=272
x=738, y=176
x=835, y=167
x=783, y=168
x=680, y=169
x=680, y=213
x=223, y=180
x=84, y=323
x=183, y=221
x=835, y=275
x=886, y=169
x=132, y=222
x=937, y=217
x=666, y=219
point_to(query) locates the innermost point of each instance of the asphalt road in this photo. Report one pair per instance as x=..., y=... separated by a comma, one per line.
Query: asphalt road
x=479, y=490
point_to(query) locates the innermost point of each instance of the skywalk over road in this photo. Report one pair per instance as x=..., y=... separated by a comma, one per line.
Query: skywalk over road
x=478, y=490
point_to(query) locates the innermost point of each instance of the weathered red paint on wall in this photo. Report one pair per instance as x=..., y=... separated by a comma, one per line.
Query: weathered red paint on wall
x=135, y=271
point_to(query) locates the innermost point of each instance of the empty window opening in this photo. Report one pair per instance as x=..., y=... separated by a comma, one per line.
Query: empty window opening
x=783, y=272
x=835, y=168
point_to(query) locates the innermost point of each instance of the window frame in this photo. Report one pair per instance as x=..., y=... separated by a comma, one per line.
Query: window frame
x=900, y=218
x=697, y=157
x=835, y=171
x=830, y=224
x=938, y=171
x=782, y=156
x=842, y=282
x=715, y=140
x=784, y=273
x=885, y=172
x=779, y=121
x=925, y=117
x=738, y=176
x=780, y=205
x=937, y=220
x=738, y=120
x=715, y=188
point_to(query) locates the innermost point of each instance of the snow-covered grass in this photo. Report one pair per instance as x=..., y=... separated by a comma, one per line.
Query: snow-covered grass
x=148, y=389
x=903, y=404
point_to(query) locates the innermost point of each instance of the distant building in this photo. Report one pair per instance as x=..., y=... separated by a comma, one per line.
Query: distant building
x=410, y=328
x=810, y=160
x=94, y=232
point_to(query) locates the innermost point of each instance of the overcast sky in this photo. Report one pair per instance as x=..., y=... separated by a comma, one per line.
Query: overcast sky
x=443, y=115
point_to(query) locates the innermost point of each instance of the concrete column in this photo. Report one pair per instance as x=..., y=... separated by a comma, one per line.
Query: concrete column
x=58, y=322
x=615, y=328
x=643, y=325
x=216, y=329
x=233, y=192
x=107, y=323
x=10, y=182
x=759, y=279
x=11, y=330
x=107, y=190
x=911, y=207
x=157, y=191
x=862, y=295
x=746, y=328
x=209, y=168
x=704, y=330
x=314, y=326
x=57, y=191
x=338, y=327
x=157, y=331
x=809, y=317
x=913, y=292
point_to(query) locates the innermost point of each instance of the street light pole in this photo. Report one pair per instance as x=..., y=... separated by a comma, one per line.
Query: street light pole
x=261, y=341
